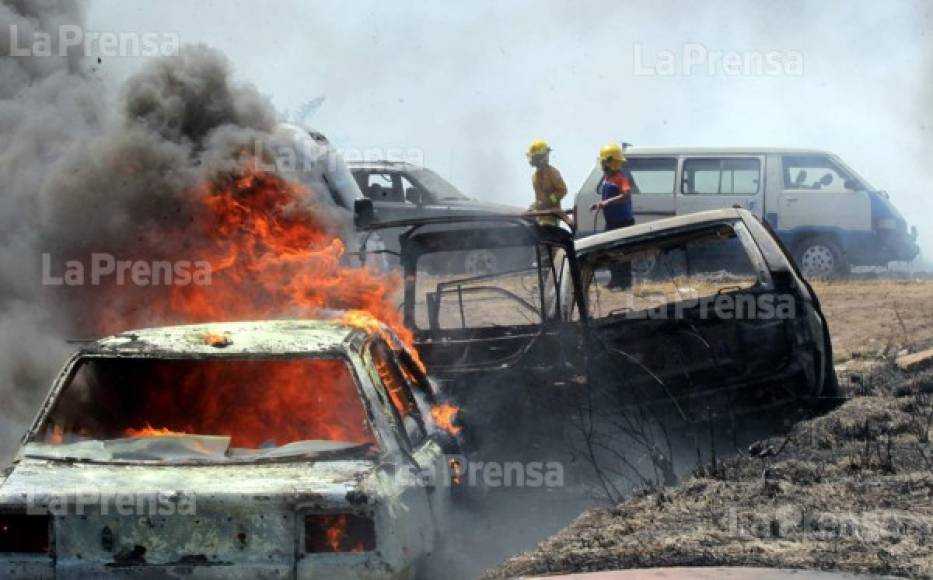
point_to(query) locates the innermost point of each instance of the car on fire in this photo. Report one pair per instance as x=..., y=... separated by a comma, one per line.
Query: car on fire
x=274, y=449
x=723, y=319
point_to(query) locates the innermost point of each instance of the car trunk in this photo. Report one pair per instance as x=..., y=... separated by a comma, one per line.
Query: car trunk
x=130, y=519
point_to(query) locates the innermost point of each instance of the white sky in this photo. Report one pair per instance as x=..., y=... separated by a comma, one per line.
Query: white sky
x=470, y=84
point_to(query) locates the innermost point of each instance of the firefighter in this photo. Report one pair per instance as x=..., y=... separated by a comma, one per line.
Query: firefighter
x=549, y=186
x=615, y=192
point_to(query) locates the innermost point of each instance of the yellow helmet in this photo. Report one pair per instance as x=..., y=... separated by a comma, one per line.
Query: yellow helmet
x=611, y=152
x=538, y=147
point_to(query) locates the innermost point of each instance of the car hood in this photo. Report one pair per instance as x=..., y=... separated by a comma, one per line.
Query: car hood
x=31, y=476
x=471, y=206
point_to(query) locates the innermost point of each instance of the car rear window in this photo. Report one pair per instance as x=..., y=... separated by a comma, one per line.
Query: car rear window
x=257, y=403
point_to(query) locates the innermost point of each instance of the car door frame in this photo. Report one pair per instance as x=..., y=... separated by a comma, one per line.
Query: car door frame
x=765, y=250
x=423, y=460
x=524, y=230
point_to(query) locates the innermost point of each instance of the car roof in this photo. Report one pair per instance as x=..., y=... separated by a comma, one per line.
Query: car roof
x=636, y=150
x=381, y=164
x=269, y=337
x=613, y=237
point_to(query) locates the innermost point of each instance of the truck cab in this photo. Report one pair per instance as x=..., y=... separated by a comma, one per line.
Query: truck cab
x=830, y=217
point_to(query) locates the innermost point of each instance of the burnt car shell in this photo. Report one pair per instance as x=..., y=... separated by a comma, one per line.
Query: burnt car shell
x=680, y=357
x=520, y=355
x=227, y=515
x=688, y=351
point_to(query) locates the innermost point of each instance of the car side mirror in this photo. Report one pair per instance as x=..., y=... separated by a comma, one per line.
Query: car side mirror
x=852, y=184
x=363, y=212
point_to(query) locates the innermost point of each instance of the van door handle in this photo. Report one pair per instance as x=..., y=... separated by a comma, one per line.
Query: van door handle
x=792, y=199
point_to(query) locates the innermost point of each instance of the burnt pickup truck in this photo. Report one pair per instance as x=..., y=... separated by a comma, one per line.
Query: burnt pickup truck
x=716, y=315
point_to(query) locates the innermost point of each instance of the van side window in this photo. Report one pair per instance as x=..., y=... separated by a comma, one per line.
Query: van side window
x=727, y=176
x=816, y=173
x=653, y=176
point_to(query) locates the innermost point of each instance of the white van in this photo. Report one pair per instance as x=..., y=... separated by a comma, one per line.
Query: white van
x=829, y=217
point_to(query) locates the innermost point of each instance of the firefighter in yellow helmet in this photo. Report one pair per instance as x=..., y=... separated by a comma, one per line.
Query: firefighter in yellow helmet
x=615, y=191
x=547, y=182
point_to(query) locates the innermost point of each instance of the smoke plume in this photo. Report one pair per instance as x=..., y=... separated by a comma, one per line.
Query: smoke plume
x=88, y=170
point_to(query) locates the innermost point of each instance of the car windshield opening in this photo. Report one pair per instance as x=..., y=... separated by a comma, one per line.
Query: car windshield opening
x=439, y=188
x=678, y=269
x=206, y=405
x=486, y=287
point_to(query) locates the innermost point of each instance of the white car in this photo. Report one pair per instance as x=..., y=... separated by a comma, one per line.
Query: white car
x=277, y=449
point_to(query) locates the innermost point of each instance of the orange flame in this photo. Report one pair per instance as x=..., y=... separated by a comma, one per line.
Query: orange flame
x=395, y=390
x=273, y=252
x=150, y=431
x=216, y=340
x=366, y=321
x=336, y=533
x=444, y=416
x=338, y=537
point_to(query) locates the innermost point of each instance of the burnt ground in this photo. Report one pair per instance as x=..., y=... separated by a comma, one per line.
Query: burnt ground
x=851, y=490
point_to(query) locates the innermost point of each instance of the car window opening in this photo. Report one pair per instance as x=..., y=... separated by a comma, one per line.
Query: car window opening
x=257, y=404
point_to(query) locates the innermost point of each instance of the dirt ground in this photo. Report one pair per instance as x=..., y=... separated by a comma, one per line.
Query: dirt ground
x=851, y=490
x=872, y=318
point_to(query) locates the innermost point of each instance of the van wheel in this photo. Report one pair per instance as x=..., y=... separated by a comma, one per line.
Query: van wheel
x=820, y=258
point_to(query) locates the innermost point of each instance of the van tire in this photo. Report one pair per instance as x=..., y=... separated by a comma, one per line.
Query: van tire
x=820, y=257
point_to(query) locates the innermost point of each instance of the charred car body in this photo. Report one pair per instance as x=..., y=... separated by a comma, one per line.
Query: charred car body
x=258, y=450
x=720, y=313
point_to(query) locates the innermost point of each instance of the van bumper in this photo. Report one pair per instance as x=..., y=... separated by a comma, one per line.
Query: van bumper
x=883, y=247
x=899, y=246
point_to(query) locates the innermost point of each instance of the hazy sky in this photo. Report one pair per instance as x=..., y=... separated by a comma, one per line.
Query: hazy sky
x=470, y=84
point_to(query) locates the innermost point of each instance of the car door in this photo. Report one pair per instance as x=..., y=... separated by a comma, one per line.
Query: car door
x=416, y=528
x=494, y=340
x=714, y=325
x=817, y=193
x=432, y=449
x=715, y=182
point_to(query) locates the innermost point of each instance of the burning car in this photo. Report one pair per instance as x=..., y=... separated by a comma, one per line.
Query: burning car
x=274, y=449
x=716, y=312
